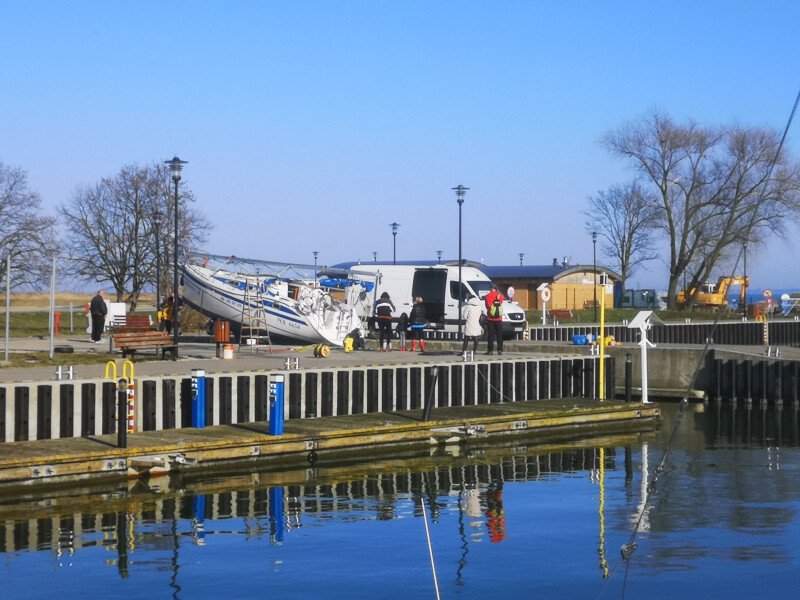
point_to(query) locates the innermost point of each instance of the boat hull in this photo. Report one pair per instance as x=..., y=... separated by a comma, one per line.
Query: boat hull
x=287, y=319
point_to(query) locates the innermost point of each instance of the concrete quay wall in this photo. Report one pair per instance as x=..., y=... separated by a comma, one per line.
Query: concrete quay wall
x=39, y=410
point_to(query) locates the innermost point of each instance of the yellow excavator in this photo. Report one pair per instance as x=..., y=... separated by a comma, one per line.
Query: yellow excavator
x=715, y=296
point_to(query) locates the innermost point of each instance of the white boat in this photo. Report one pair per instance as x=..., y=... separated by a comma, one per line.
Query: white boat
x=295, y=309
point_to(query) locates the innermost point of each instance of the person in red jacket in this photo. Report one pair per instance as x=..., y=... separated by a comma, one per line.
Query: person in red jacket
x=494, y=319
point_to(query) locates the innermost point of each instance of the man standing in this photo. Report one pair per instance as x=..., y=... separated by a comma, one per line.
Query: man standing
x=494, y=320
x=98, y=310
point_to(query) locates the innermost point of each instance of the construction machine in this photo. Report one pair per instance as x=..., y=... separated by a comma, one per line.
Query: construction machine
x=715, y=296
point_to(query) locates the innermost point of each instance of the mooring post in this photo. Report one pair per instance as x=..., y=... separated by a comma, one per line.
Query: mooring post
x=276, y=514
x=122, y=413
x=426, y=415
x=198, y=398
x=122, y=542
x=628, y=377
x=276, y=389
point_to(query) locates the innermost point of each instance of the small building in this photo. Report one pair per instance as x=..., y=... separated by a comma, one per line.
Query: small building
x=572, y=287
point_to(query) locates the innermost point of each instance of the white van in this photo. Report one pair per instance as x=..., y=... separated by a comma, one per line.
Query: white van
x=437, y=285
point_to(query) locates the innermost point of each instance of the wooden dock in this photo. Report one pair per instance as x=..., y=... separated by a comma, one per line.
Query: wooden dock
x=66, y=461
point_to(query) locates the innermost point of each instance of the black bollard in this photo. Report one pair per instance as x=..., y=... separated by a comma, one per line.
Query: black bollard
x=429, y=398
x=122, y=544
x=628, y=377
x=122, y=413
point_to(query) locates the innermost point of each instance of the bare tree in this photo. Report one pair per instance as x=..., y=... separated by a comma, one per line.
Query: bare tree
x=25, y=234
x=112, y=229
x=623, y=217
x=715, y=187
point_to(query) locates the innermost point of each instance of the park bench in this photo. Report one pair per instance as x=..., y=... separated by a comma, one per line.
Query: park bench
x=560, y=314
x=132, y=323
x=133, y=341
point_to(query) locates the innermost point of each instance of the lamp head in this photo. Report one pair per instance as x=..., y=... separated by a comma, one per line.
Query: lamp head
x=175, y=167
x=460, y=191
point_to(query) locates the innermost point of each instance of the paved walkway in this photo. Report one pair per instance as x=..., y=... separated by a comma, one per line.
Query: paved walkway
x=199, y=355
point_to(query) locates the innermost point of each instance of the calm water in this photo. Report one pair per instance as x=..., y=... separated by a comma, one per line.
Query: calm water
x=543, y=522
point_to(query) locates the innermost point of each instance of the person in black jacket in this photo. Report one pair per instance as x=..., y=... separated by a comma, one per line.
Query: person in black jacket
x=383, y=314
x=98, y=310
x=418, y=322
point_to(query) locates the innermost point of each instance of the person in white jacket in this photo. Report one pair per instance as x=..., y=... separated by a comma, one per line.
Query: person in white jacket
x=471, y=315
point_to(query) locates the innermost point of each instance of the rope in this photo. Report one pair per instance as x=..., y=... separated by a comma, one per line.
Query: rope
x=430, y=548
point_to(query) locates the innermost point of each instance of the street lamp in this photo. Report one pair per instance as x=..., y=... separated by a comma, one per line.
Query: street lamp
x=175, y=166
x=316, y=254
x=460, y=190
x=156, y=225
x=394, y=227
x=439, y=255
x=521, y=256
x=594, y=272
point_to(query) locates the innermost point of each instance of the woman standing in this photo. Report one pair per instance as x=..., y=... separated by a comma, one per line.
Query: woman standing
x=418, y=322
x=383, y=314
x=472, y=323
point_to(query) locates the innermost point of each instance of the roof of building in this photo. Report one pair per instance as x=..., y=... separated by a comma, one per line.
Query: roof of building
x=545, y=272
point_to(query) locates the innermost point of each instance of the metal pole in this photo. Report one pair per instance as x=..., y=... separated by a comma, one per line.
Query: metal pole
x=460, y=293
x=745, y=279
x=158, y=276
x=175, y=274
x=394, y=247
x=52, y=305
x=8, y=300
x=594, y=272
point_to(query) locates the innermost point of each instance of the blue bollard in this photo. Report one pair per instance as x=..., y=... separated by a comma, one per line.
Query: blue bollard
x=198, y=398
x=199, y=524
x=276, y=383
x=276, y=518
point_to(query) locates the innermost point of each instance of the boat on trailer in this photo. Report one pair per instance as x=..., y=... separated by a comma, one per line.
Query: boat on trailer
x=285, y=297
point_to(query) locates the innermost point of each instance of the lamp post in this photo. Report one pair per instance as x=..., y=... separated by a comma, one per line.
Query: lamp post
x=521, y=256
x=594, y=272
x=460, y=191
x=316, y=254
x=439, y=255
x=175, y=166
x=394, y=227
x=156, y=225
x=374, y=256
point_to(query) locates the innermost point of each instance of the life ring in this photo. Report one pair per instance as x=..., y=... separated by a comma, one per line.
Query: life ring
x=545, y=294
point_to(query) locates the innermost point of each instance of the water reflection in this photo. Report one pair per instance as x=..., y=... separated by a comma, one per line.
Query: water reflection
x=134, y=516
x=728, y=493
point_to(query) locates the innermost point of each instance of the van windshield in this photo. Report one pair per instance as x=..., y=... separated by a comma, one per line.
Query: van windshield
x=481, y=288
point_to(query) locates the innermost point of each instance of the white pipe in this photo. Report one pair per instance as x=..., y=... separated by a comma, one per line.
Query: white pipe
x=52, y=305
x=643, y=344
x=8, y=300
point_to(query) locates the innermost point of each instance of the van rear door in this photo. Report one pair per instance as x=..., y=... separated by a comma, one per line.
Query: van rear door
x=430, y=284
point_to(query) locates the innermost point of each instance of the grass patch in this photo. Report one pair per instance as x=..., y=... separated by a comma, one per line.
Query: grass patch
x=617, y=315
x=42, y=359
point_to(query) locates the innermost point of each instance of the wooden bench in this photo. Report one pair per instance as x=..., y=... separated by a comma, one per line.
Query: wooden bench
x=560, y=315
x=133, y=341
x=133, y=323
x=590, y=304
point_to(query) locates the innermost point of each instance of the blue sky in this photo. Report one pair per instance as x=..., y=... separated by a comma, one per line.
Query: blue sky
x=313, y=125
